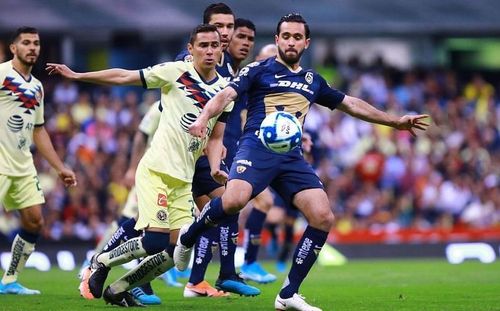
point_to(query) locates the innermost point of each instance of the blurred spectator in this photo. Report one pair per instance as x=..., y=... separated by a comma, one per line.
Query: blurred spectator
x=65, y=93
x=3, y=52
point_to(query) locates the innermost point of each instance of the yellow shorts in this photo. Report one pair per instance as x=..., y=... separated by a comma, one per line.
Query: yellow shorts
x=130, y=208
x=18, y=192
x=164, y=201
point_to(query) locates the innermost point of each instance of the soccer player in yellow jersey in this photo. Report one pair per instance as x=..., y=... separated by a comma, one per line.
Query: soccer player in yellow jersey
x=21, y=121
x=164, y=175
x=123, y=229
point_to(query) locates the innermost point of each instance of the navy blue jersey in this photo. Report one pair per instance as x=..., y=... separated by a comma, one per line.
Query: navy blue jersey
x=272, y=86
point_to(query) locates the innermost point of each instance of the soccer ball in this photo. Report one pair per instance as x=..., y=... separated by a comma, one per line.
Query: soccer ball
x=280, y=132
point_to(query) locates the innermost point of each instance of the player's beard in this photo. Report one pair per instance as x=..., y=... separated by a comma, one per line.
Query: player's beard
x=29, y=60
x=290, y=60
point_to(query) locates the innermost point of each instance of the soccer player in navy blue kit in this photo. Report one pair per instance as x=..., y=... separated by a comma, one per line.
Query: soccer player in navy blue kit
x=281, y=84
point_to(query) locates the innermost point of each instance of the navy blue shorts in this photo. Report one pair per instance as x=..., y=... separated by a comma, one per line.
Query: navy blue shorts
x=203, y=183
x=287, y=173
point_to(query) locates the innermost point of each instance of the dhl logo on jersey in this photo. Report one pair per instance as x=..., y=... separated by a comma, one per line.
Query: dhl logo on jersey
x=294, y=85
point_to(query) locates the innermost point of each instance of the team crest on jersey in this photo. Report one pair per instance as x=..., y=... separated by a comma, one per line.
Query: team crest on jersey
x=240, y=169
x=161, y=215
x=22, y=142
x=30, y=99
x=309, y=77
x=193, y=90
x=194, y=144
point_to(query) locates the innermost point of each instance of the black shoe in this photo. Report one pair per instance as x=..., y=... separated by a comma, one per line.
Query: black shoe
x=124, y=299
x=97, y=277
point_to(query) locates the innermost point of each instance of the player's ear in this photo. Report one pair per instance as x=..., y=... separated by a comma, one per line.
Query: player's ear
x=12, y=48
x=190, y=48
x=276, y=39
x=308, y=41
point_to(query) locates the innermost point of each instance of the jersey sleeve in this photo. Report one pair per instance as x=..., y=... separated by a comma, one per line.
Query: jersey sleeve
x=157, y=76
x=39, y=117
x=327, y=96
x=151, y=119
x=242, y=83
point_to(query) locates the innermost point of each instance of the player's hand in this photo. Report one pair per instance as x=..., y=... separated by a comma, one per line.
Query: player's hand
x=61, y=69
x=307, y=142
x=129, y=178
x=219, y=176
x=412, y=122
x=68, y=177
x=199, y=127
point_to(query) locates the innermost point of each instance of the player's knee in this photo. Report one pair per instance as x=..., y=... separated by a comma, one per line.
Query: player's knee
x=323, y=220
x=263, y=204
x=264, y=201
x=154, y=242
x=35, y=224
x=233, y=203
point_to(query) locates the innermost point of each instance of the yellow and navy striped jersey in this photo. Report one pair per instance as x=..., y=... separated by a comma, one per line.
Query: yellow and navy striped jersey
x=21, y=109
x=184, y=93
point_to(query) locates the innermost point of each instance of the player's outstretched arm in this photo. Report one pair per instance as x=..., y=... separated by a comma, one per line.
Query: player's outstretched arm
x=360, y=109
x=213, y=107
x=44, y=146
x=115, y=76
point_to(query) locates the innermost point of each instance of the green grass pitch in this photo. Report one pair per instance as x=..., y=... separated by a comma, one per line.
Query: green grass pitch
x=359, y=285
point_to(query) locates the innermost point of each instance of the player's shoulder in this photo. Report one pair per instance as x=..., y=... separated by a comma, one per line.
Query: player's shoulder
x=171, y=66
x=258, y=66
x=311, y=76
x=6, y=64
x=35, y=80
x=184, y=56
x=5, y=67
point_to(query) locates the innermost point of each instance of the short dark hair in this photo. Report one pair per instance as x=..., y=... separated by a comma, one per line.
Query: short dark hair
x=215, y=8
x=21, y=30
x=241, y=22
x=202, y=28
x=294, y=18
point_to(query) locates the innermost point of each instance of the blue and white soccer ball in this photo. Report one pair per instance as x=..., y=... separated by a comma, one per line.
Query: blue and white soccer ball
x=280, y=132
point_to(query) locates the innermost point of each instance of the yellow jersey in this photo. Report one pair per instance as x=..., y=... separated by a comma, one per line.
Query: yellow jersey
x=21, y=109
x=184, y=93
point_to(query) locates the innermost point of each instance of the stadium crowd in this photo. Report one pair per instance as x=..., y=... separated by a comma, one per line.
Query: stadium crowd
x=375, y=177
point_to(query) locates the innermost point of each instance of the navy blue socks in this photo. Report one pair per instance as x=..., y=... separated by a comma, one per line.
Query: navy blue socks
x=304, y=257
x=253, y=229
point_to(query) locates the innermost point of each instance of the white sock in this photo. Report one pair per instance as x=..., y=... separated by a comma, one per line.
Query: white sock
x=21, y=251
x=131, y=249
x=150, y=268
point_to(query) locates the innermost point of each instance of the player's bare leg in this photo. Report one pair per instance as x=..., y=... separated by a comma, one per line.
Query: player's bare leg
x=22, y=247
